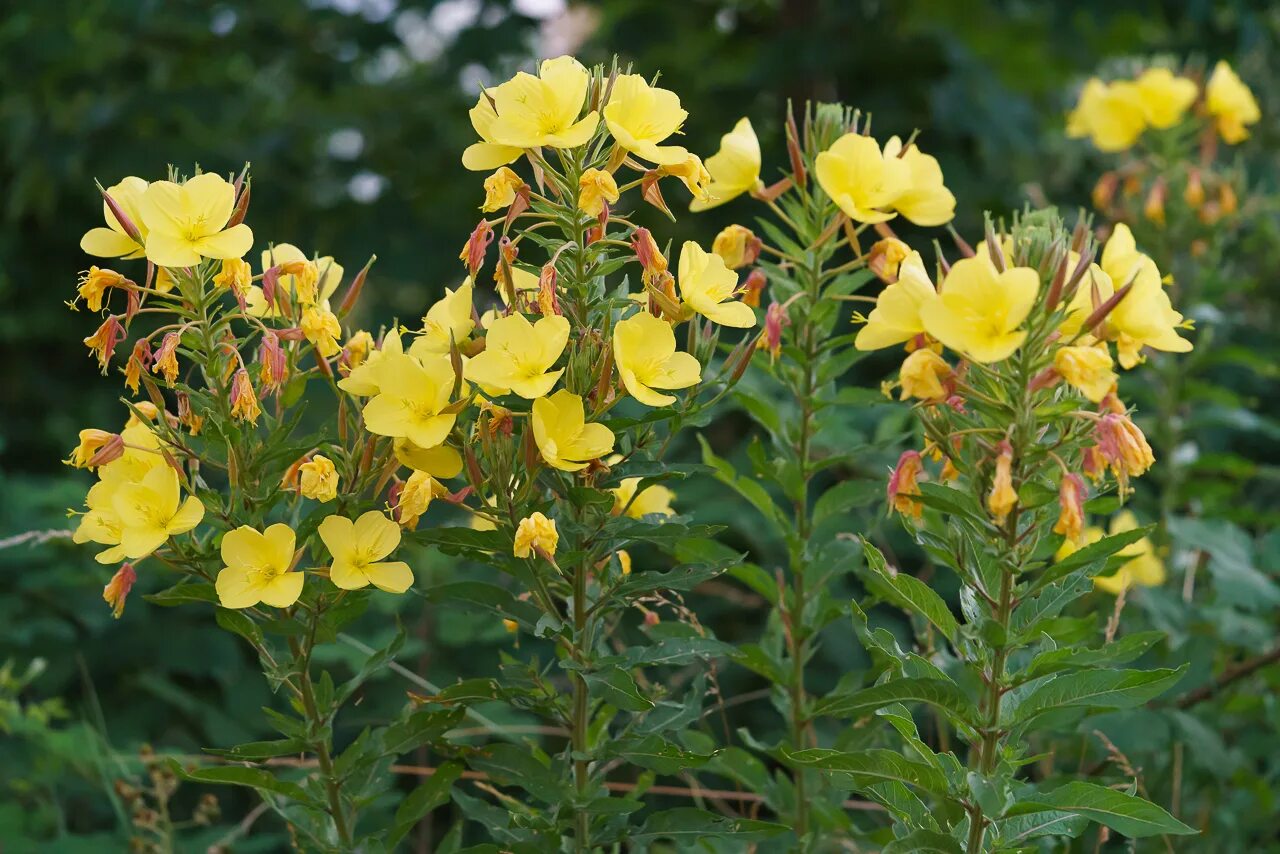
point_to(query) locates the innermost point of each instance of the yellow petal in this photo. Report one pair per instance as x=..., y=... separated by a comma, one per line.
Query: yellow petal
x=391, y=576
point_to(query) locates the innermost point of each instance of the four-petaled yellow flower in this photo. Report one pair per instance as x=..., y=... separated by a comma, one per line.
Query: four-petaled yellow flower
x=564, y=439
x=1231, y=103
x=980, y=309
x=734, y=168
x=187, y=222
x=411, y=400
x=896, y=317
x=1111, y=114
x=518, y=355
x=925, y=200
x=487, y=154
x=152, y=510
x=358, y=549
x=640, y=116
x=707, y=287
x=644, y=348
x=318, y=479
x=536, y=533
x=448, y=320
x=596, y=188
x=1165, y=96
x=113, y=241
x=259, y=568
x=653, y=499
x=861, y=179
x=1144, y=317
x=543, y=111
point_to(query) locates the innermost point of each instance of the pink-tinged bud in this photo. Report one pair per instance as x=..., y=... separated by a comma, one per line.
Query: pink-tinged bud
x=753, y=287
x=242, y=206
x=651, y=618
x=775, y=320
x=773, y=191
x=244, y=400
x=1048, y=378
x=139, y=361
x=647, y=252
x=1105, y=190
x=96, y=447
x=1071, y=498
x=794, y=152
x=291, y=333
x=1153, y=208
x=904, y=486
x=956, y=402
x=548, y=300
x=103, y=342
x=1002, y=498
x=1228, y=202
x=963, y=245
x=1193, y=195
x=1100, y=313
x=477, y=246
x=130, y=228
x=274, y=361
x=271, y=285
x=519, y=205
x=166, y=359
x=357, y=285
x=117, y=589
x=651, y=192
x=1124, y=448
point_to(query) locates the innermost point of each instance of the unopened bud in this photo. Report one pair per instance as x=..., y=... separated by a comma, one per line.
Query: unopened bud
x=753, y=287
x=904, y=489
x=117, y=589
x=886, y=258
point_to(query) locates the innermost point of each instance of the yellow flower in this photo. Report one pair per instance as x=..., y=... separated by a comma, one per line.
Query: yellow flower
x=1111, y=114
x=734, y=168
x=318, y=479
x=487, y=154
x=737, y=246
x=152, y=510
x=415, y=498
x=1144, y=567
x=624, y=561
x=596, y=187
x=313, y=282
x=692, y=172
x=357, y=348
x=259, y=568
x=644, y=348
x=113, y=241
x=440, y=462
x=321, y=327
x=92, y=442
x=979, y=309
x=536, y=533
x=1086, y=368
x=518, y=355
x=861, y=179
x=411, y=399
x=363, y=380
x=896, y=317
x=640, y=116
x=543, y=111
x=1144, y=317
x=926, y=200
x=358, y=549
x=1002, y=498
x=1165, y=97
x=185, y=222
x=1094, y=289
x=886, y=257
x=450, y=318
x=652, y=499
x=707, y=287
x=1230, y=102
x=922, y=375
x=500, y=189
x=236, y=276
x=93, y=285
x=564, y=439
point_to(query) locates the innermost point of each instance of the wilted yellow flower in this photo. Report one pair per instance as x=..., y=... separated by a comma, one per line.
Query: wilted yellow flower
x=896, y=317
x=518, y=355
x=563, y=437
x=114, y=241
x=692, y=172
x=358, y=549
x=653, y=499
x=94, y=284
x=1071, y=497
x=707, y=287
x=922, y=375
x=904, y=487
x=318, y=479
x=1144, y=317
x=1002, y=498
x=411, y=399
x=236, y=276
x=487, y=154
x=536, y=533
x=1110, y=114
x=186, y=222
x=886, y=256
x=1087, y=369
x=152, y=510
x=861, y=179
x=1230, y=102
x=737, y=246
x=542, y=111
x=500, y=189
x=1124, y=447
x=244, y=400
x=117, y=589
x=259, y=568
x=321, y=327
x=307, y=280
x=644, y=349
x=415, y=499
x=640, y=116
x=358, y=348
x=596, y=187
x=92, y=442
x=925, y=200
x=449, y=319
x=734, y=168
x=980, y=309
x=1165, y=96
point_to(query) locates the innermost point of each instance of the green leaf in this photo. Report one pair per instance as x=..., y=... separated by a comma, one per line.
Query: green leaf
x=940, y=693
x=675, y=651
x=1019, y=829
x=658, y=754
x=869, y=766
x=490, y=597
x=241, y=624
x=690, y=823
x=420, y=727
x=1104, y=689
x=184, y=592
x=1092, y=555
x=515, y=765
x=422, y=800
x=908, y=593
x=256, y=750
x=753, y=492
x=1123, y=651
x=923, y=842
x=846, y=496
x=616, y=687
x=237, y=775
x=1125, y=814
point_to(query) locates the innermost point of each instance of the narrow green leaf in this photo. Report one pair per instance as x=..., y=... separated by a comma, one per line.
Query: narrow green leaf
x=1125, y=814
x=869, y=766
x=1102, y=689
x=1123, y=651
x=923, y=842
x=237, y=775
x=908, y=592
x=422, y=800
x=689, y=823
x=616, y=687
x=942, y=694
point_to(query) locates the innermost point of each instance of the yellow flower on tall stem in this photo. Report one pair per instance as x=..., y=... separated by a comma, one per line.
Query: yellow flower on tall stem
x=114, y=241
x=564, y=439
x=411, y=400
x=359, y=548
x=734, y=168
x=518, y=355
x=1231, y=103
x=259, y=568
x=863, y=180
x=641, y=116
x=533, y=112
x=980, y=310
x=644, y=348
x=152, y=510
x=707, y=288
x=448, y=320
x=187, y=222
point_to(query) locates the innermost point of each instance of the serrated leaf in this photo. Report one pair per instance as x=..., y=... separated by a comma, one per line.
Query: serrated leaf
x=908, y=592
x=1102, y=689
x=1122, y=651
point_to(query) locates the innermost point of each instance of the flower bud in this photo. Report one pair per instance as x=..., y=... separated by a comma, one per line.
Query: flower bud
x=536, y=533
x=166, y=358
x=624, y=561
x=117, y=589
x=511, y=626
x=647, y=253
x=357, y=285
x=1153, y=208
x=738, y=246
x=318, y=479
x=477, y=246
x=1087, y=369
x=96, y=447
x=1002, y=498
x=752, y=287
x=244, y=400
x=886, y=257
x=925, y=375
x=103, y=342
x=1228, y=203
x=904, y=485
x=241, y=209
x=1071, y=496
x=775, y=320
x=651, y=192
x=1193, y=194
x=794, y=152
x=186, y=417
x=1105, y=190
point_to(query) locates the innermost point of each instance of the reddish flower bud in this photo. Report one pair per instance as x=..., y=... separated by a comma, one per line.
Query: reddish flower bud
x=103, y=342
x=1071, y=497
x=753, y=287
x=904, y=485
x=117, y=589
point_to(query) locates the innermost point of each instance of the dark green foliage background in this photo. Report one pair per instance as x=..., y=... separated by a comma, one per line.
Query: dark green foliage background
x=105, y=88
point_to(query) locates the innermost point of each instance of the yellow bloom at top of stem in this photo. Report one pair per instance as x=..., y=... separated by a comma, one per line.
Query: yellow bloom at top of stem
x=449, y=318
x=707, y=287
x=358, y=549
x=1144, y=568
x=926, y=200
x=500, y=189
x=734, y=168
x=640, y=116
x=644, y=348
x=258, y=568
x=1111, y=114
x=487, y=154
x=532, y=112
x=979, y=310
x=653, y=499
x=1231, y=103
x=187, y=222
x=861, y=179
x=364, y=379
x=1165, y=96
x=596, y=187
x=536, y=533
x=518, y=355
x=318, y=479
x=411, y=399
x=1086, y=368
x=563, y=437
x=1145, y=317
x=440, y=462
x=152, y=510
x=113, y=241
x=896, y=317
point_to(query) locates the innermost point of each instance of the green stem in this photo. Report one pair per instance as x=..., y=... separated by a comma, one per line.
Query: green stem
x=320, y=745
x=581, y=718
